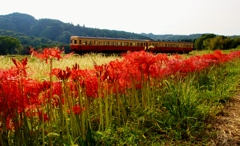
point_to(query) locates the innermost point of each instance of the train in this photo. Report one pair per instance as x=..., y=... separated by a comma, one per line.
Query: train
x=83, y=44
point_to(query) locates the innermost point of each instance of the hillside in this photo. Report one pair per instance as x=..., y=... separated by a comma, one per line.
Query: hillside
x=54, y=30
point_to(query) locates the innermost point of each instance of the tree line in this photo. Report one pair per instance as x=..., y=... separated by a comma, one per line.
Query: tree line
x=12, y=45
x=216, y=42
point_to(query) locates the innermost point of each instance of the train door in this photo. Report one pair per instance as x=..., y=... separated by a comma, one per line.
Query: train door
x=146, y=44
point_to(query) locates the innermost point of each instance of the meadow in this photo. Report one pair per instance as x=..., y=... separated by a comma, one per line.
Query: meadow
x=139, y=98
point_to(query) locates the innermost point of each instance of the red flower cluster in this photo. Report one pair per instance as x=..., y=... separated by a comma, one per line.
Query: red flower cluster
x=49, y=53
x=20, y=94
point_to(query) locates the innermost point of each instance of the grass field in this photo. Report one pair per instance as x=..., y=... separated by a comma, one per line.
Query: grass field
x=39, y=69
x=137, y=99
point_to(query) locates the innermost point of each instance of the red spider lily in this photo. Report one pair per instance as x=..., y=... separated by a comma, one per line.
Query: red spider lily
x=62, y=74
x=77, y=110
x=43, y=116
x=56, y=91
x=21, y=66
x=45, y=85
x=49, y=53
x=100, y=71
x=87, y=79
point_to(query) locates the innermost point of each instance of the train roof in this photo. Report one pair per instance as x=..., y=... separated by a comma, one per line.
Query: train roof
x=106, y=38
x=124, y=39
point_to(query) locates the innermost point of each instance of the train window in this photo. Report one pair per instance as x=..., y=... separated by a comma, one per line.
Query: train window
x=99, y=43
x=118, y=43
x=75, y=41
x=141, y=44
x=134, y=44
x=90, y=42
x=156, y=44
x=80, y=41
x=84, y=42
x=130, y=43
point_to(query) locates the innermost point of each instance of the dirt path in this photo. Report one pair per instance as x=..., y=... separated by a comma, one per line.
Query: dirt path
x=227, y=124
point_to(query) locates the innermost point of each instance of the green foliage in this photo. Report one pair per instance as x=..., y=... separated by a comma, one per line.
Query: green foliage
x=10, y=45
x=199, y=43
x=214, y=42
x=27, y=41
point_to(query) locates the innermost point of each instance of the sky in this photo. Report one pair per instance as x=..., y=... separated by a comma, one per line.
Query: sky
x=178, y=17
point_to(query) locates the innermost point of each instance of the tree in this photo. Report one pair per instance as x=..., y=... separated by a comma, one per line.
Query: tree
x=10, y=45
x=235, y=42
x=202, y=41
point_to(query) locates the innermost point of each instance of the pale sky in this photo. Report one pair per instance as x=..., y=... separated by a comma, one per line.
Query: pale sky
x=140, y=16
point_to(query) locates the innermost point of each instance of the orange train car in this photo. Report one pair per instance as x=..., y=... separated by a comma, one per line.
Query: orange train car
x=81, y=44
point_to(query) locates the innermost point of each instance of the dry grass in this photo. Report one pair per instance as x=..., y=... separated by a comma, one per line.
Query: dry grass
x=227, y=124
x=38, y=69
